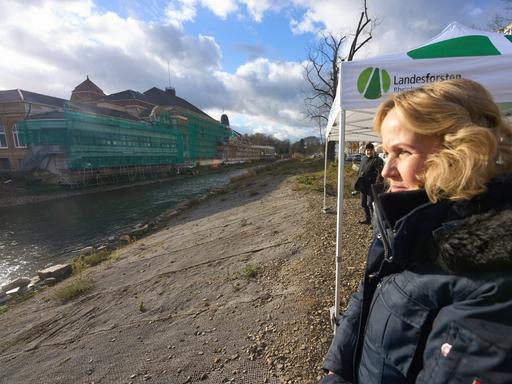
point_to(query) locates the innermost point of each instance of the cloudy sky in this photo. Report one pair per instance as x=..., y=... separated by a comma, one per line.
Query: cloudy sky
x=241, y=57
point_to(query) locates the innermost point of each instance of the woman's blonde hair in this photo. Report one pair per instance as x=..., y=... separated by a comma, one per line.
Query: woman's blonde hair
x=476, y=139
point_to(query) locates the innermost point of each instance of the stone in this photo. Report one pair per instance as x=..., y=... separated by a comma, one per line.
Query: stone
x=101, y=249
x=4, y=298
x=139, y=230
x=21, y=282
x=34, y=282
x=50, y=281
x=86, y=251
x=14, y=291
x=59, y=272
x=125, y=239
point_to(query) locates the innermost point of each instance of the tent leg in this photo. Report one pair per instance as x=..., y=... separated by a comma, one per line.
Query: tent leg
x=325, y=209
x=339, y=216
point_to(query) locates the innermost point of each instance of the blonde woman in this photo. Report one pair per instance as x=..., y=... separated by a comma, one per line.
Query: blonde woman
x=435, y=304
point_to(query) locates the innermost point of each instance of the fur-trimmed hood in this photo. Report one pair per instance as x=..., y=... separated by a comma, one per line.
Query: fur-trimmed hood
x=479, y=242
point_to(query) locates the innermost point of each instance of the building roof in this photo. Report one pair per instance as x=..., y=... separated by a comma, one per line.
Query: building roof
x=128, y=95
x=53, y=115
x=86, y=91
x=88, y=86
x=104, y=112
x=20, y=96
x=10, y=96
x=83, y=109
x=168, y=98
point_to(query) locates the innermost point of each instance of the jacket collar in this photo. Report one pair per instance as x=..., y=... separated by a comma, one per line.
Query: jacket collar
x=464, y=236
x=405, y=220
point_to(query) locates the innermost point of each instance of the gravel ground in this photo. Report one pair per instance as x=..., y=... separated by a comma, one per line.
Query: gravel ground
x=234, y=290
x=306, y=338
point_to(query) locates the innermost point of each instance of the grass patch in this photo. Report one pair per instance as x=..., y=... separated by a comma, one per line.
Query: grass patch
x=96, y=258
x=81, y=263
x=115, y=255
x=314, y=180
x=78, y=265
x=250, y=271
x=25, y=296
x=142, y=308
x=73, y=289
x=309, y=172
x=3, y=309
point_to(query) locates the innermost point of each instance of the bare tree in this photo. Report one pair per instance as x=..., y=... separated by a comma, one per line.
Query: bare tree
x=322, y=67
x=500, y=21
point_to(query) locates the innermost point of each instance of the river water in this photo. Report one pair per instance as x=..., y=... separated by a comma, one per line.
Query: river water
x=36, y=235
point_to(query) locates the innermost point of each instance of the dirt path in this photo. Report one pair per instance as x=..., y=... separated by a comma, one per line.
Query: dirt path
x=236, y=290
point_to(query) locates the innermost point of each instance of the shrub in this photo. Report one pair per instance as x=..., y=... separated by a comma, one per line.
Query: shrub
x=95, y=258
x=250, y=271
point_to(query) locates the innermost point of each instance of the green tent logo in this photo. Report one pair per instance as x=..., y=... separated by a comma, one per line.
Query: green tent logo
x=372, y=83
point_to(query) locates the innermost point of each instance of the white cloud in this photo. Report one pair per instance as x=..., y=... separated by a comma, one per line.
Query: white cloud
x=402, y=24
x=49, y=47
x=272, y=90
x=176, y=14
x=117, y=53
x=221, y=8
x=259, y=124
x=307, y=24
x=257, y=8
x=126, y=53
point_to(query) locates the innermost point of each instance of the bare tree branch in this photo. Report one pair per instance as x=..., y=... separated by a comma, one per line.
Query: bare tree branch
x=502, y=20
x=322, y=66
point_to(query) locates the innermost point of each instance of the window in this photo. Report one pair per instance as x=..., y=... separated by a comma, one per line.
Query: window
x=5, y=164
x=18, y=141
x=3, y=141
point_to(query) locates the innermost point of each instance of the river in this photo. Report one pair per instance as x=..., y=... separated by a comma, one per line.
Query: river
x=36, y=235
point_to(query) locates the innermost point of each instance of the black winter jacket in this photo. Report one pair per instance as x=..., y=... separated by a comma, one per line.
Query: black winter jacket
x=435, y=304
x=368, y=174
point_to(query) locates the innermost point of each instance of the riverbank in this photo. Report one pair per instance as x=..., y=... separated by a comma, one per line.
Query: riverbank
x=235, y=289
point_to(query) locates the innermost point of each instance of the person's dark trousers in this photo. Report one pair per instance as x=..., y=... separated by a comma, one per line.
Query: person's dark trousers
x=367, y=204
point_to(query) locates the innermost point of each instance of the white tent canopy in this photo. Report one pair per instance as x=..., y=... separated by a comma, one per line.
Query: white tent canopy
x=457, y=52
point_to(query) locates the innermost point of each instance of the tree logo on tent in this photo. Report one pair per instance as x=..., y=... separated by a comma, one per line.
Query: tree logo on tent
x=372, y=83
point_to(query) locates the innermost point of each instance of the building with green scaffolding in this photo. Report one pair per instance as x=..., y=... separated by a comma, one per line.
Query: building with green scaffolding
x=89, y=144
x=100, y=138
x=96, y=138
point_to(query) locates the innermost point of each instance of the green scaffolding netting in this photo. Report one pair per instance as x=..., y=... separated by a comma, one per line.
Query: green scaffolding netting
x=89, y=140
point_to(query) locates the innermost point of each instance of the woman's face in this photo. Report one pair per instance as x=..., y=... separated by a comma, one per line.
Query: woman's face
x=406, y=153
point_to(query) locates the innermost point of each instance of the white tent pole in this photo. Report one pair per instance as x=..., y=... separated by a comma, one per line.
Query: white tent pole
x=324, y=208
x=339, y=216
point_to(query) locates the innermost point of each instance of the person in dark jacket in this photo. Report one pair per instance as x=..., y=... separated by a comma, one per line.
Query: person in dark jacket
x=435, y=303
x=369, y=171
